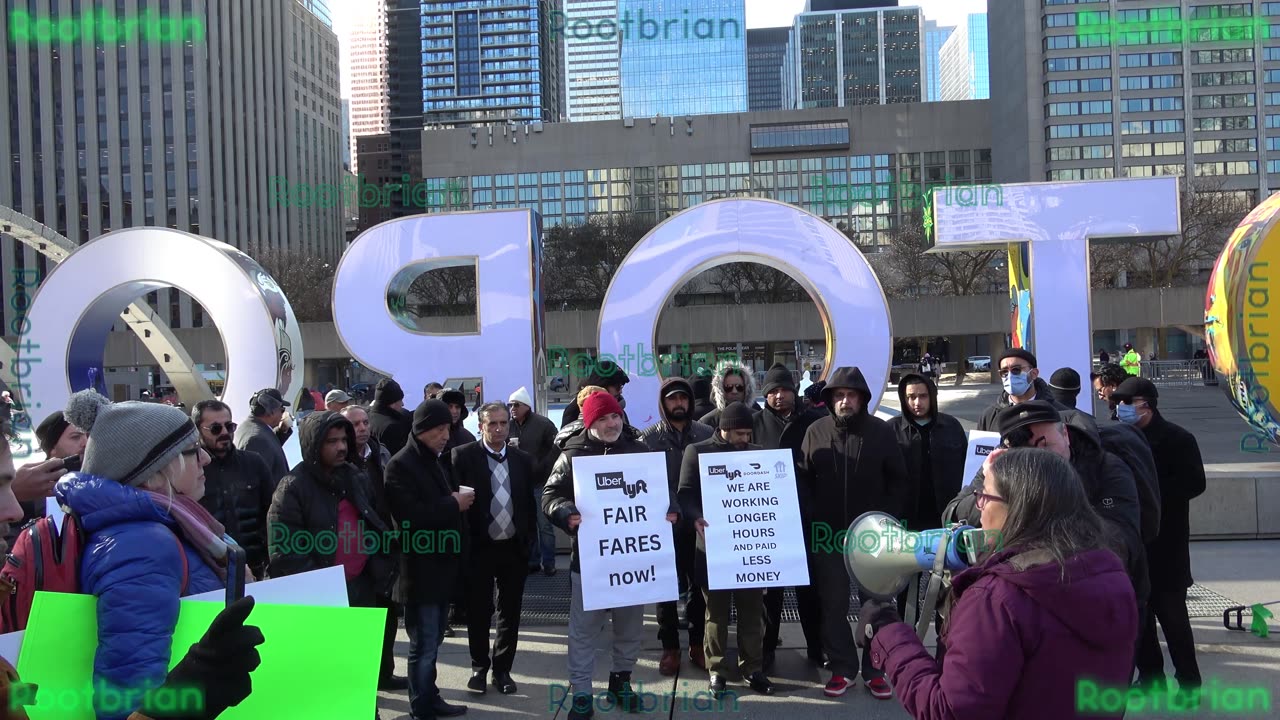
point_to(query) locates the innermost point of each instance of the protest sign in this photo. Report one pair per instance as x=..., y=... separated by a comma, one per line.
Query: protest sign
x=61, y=640
x=981, y=444
x=753, y=535
x=624, y=542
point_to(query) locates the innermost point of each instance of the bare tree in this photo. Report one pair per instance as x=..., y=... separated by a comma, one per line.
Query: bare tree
x=305, y=279
x=747, y=283
x=579, y=261
x=442, y=291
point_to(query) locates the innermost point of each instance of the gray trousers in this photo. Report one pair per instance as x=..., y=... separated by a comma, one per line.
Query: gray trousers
x=584, y=630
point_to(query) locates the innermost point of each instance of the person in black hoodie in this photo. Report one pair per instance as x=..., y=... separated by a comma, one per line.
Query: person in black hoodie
x=607, y=375
x=850, y=464
x=671, y=435
x=781, y=426
x=933, y=445
x=702, y=394
x=734, y=434
x=387, y=419
x=426, y=498
x=1022, y=383
x=458, y=435
x=324, y=493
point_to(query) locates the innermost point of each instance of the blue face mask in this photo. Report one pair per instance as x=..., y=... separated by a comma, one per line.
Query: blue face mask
x=1128, y=414
x=1017, y=385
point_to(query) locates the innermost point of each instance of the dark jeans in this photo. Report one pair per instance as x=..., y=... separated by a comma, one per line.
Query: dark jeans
x=1170, y=608
x=809, y=607
x=542, y=547
x=502, y=563
x=837, y=635
x=425, y=623
x=389, y=637
x=689, y=582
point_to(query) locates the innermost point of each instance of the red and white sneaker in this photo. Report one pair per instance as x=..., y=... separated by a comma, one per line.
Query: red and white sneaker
x=880, y=688
x=838, y=685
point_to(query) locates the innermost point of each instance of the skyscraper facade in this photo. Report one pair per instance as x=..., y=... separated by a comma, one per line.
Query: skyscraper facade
x=1136, y=89
x=858, y=57
x=683, y=57
x=766, y=53
x=185, y=133
x=934, y=37
x=366, y=77
x=965, y=70
x=592, y=60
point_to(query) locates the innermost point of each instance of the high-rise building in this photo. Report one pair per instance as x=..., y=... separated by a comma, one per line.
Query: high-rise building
x=365, y=81
x=592, y=60
x=858, y=57
x=934, y=37
x=828, y=5
x=683, y=58
x=965, y=72
x=1136, y=89
x=203, y=133
x=766, y=53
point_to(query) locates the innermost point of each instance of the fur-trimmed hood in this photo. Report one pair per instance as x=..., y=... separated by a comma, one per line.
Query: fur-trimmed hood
x=717, y=383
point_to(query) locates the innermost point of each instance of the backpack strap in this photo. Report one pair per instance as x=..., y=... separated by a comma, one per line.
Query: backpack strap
x=186, y=570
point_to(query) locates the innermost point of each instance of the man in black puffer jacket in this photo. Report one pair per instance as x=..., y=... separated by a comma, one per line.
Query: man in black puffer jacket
x=388, y=421
x=851, y=464
x=237, y=484
x=327, y=494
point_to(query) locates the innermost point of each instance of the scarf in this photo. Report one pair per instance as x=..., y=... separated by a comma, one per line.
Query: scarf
x=198, y=527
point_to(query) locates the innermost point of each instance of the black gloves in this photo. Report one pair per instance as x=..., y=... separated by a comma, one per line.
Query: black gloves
x=218, y=665
x=872, y=616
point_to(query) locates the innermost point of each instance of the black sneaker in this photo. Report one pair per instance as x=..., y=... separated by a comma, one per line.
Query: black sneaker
x=582, y=708
x=716, y=686
x=761, y=683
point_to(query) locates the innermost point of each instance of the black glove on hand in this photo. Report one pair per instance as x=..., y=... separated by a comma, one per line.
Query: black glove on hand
x=218, y=665
x=872, y=616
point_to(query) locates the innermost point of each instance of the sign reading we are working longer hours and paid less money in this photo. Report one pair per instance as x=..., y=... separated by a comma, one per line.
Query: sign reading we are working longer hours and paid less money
x=624, y=541
x=753, y=534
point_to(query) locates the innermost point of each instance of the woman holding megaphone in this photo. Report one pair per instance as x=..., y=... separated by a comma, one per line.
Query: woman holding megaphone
x=1050, y=609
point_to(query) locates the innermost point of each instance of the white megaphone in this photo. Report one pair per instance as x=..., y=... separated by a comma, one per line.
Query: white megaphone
x=882, y=556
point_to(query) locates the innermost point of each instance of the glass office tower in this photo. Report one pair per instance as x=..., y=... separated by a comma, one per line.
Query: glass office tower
x=683, y=57
x=965, y=73
x=858, y=57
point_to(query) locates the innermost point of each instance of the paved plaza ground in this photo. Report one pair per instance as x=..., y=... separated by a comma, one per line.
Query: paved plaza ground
x=1226, y=573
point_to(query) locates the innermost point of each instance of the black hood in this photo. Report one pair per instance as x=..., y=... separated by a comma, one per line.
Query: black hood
x=456, y=397
x=912, y=379
x=313, y=431
x=851, y=378
x=675, y=383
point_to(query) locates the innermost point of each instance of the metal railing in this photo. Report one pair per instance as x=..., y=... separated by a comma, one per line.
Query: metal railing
x=1179, y=372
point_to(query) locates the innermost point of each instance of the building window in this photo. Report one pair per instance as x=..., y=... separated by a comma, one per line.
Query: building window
x=776, y=138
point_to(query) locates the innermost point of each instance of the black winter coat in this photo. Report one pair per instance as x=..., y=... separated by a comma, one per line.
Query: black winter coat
x=537, y=438
x=420, y=489
x=254, y=435
x=854, y=466
x=1181, y=472
x=374, y=468
x=390, y=427
x=1071, y=416
x=934, y=454
x=662, y=437
x=773, y=432
x=689, y=489
x=470, y=465
x=306, y=501
x=237, y=491
x=558, y=496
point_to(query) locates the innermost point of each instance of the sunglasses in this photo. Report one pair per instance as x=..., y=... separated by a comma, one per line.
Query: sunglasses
x=981, y=499
x=735, y=388
x=1016, y=370
x=216, y=428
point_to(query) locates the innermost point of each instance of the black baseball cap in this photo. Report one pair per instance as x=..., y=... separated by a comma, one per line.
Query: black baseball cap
x=1134, y=387
x=1024, y=414
x=272, y=393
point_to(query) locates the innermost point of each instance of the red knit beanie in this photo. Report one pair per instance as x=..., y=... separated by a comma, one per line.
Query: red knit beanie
x=597, y=406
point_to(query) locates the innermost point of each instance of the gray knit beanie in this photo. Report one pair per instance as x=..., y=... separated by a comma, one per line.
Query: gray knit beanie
x=129, y=441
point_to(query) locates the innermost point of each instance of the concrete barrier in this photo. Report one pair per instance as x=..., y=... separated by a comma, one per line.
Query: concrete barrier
x=1240, y=501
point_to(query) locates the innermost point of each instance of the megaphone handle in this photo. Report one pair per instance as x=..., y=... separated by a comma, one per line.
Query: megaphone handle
x=935, y=586
x=913, y=601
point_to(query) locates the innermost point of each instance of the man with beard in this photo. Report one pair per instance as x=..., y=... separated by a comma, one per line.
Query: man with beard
x=388, y=421
x=261, y=434
x=1022, y=383
x=781, y=426
x=603, y=434
x=850, y=464
x=732, y=382
x=671, y=435
x=371, y=458
x=237, y=484
x=734, y=434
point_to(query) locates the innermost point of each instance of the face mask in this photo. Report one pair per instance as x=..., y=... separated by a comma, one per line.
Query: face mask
x=1128, y=414
x=1017, y=385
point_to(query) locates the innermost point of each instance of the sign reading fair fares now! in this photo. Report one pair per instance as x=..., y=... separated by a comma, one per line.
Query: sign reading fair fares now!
x=625, y=546
x=754, y=538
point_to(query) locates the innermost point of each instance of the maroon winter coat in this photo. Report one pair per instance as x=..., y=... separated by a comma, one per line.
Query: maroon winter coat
x=1018, y=641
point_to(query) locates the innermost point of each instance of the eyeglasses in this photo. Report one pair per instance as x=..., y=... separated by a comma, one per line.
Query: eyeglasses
x=735, y=388
x=981, y=499
x=216, y=428
x=1016, y=370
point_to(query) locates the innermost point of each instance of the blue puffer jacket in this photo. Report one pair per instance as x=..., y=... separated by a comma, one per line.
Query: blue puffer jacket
x=131, y=564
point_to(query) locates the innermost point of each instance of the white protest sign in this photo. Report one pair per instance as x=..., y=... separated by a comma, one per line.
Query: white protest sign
x=624, y=542
x=980, y=446
x=753, y=535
